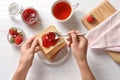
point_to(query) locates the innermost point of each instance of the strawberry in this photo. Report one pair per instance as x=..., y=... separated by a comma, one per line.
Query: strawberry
x=18, y=39
x=90, y=19
x=13, y=31
x=13, y=36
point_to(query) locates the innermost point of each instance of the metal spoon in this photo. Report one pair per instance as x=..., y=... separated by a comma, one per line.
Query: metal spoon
x=59, y=35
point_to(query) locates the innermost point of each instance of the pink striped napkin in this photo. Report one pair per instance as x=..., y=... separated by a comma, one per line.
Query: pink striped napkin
x=106, y=36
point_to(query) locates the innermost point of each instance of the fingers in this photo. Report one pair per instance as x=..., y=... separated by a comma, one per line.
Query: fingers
x=38, y=48
x=34, y=44
x=27, y=43
x=83, y=40
x=69, y=44
x=81, y=37
x=68, y=41
x=74, y=37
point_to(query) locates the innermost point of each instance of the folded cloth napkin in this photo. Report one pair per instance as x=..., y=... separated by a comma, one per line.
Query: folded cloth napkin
x=106, y=36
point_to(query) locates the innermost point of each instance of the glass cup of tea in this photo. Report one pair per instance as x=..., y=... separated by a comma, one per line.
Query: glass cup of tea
x=29, y=15
x=62, y=10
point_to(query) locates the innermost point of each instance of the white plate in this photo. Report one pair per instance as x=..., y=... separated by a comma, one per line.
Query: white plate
x=61, y=57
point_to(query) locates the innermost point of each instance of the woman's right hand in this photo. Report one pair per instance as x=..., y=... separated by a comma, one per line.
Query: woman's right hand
x=78, y=44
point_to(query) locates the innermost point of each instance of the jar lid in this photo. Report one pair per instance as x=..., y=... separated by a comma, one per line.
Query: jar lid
x=14, y=9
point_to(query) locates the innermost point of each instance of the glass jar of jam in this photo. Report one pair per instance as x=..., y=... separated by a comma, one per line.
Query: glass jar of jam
x=29, y=15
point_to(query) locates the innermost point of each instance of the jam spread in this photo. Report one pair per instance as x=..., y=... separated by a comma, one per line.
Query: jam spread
x=49, y=39
x=29, y=16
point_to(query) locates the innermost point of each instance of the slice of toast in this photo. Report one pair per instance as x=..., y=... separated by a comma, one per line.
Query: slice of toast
x=52, y=51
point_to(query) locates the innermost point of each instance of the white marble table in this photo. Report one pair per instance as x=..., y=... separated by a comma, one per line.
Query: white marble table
x=103, y=67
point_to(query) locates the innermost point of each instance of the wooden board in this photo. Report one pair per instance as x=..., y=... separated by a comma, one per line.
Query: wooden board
x=115, y=56
x=100, y=13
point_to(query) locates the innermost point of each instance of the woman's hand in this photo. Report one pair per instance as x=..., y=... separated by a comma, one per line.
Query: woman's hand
x=28, y=49
x=78, y=44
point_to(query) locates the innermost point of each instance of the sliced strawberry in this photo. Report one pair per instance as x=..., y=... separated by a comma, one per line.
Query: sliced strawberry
x=18, y=39
x=13, y=31
x=90, y=19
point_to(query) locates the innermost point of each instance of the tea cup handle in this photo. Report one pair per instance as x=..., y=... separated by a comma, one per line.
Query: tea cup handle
x=75, y=5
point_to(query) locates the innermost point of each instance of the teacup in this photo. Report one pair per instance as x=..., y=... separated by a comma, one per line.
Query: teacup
x=62, y=10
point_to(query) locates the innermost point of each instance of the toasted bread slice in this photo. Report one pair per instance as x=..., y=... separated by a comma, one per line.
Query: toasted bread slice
x=51, y=52
x=54, y=53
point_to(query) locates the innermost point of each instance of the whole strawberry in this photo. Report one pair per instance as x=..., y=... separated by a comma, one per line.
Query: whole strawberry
x=18, y=39
x=90, y=19
x=13, y=31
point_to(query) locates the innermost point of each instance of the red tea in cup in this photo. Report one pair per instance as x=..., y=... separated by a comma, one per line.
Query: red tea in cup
x=62, y=10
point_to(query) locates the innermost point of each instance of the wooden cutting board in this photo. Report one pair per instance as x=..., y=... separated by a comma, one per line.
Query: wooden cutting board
x=100, y=13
